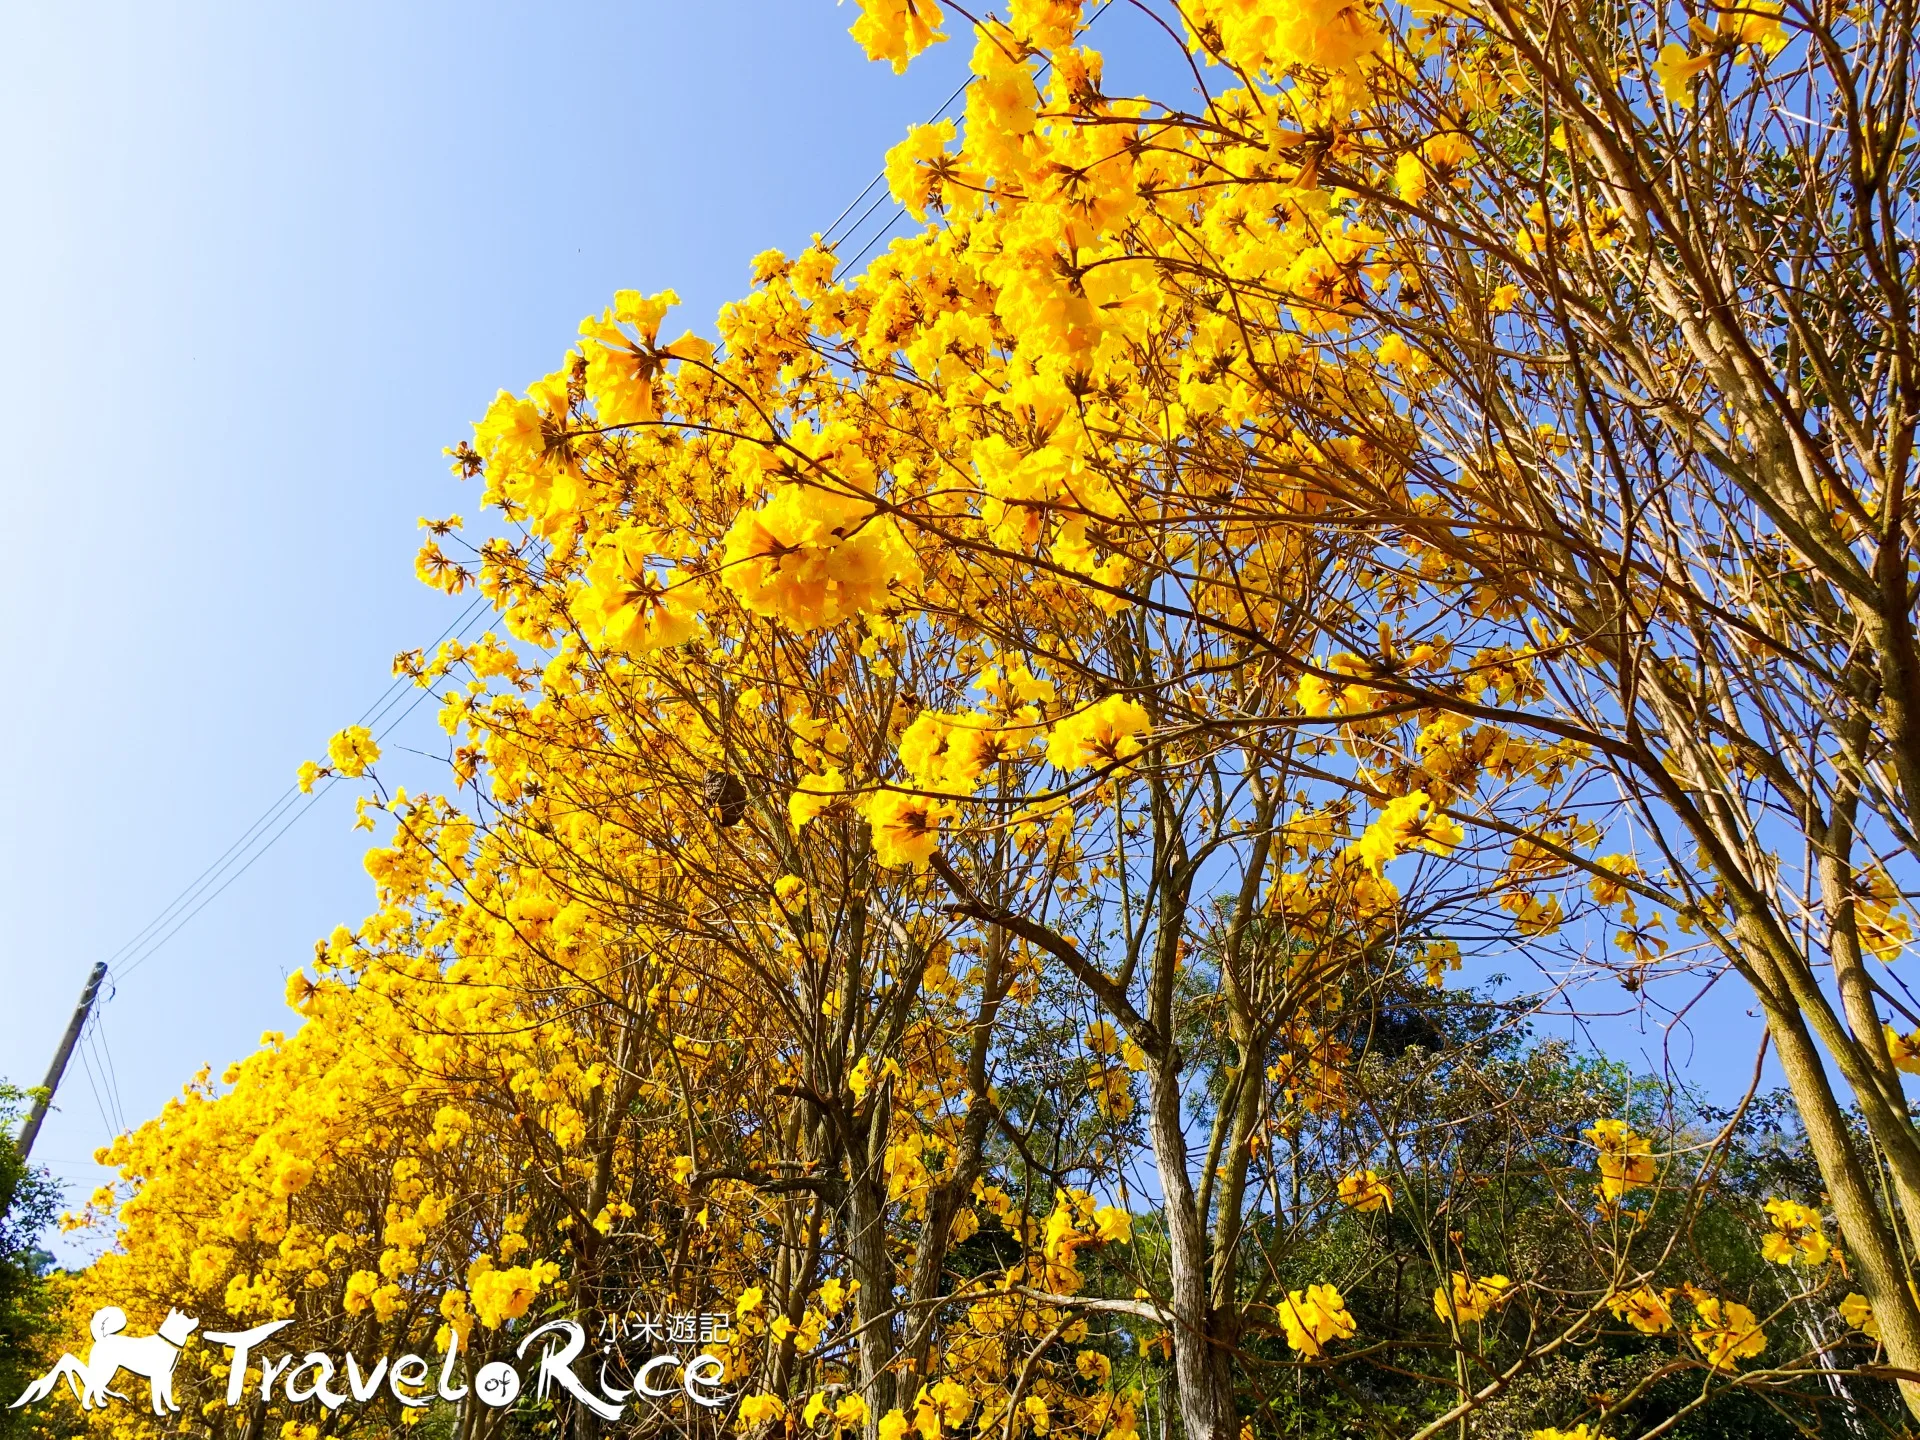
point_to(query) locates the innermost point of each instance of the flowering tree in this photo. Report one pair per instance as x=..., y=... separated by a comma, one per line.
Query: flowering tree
x=957, y=847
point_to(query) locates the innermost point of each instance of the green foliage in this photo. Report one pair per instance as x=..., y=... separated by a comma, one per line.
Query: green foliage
x=29, y=1201
x=1476, y=1124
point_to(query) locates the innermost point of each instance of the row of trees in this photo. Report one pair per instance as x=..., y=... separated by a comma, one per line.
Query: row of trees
x=957, y=851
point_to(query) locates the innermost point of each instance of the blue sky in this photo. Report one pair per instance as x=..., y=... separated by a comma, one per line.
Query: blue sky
x=261, y=263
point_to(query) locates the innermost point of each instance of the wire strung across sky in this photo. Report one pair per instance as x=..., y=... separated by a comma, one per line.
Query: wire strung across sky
x=274, y=821
x=96, y=1055
x=96, y=1060
x=827, y=236
x=899, y=210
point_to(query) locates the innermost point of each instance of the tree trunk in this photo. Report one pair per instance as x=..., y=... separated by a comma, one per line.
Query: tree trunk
x=1202, y=1367
x=867, y=1253
x=1871, y=1247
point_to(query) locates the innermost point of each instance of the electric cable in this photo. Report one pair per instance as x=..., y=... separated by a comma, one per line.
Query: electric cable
x=86, y=1065
x=826, y=236
x=852, y=230
x=108, y=1069
x=308, y=802
x=139, y=946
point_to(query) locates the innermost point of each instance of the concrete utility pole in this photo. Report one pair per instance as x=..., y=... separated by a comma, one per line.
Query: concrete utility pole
x=60, y=1058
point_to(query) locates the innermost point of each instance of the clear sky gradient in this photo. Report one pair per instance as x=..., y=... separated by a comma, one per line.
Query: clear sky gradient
x=260, y=263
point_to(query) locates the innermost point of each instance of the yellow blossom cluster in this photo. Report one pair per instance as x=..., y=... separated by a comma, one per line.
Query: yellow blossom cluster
x=998, y=646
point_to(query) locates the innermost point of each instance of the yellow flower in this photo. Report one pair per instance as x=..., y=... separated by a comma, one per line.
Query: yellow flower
x=511, y=437
x=1753, y=22
x=454, y=1308
x=850, y=1413
x=1410, y=178
x=906, y=828
x=1448, y=153
x=291, y=1175
x=761, y=1409
x=835, y=1294
x=1859, y=1315
x=1798, y=1236
x=630, y=605
x=813, y=557
x=897, y=30
x=949, y=753
x=1400, y=826
x=359, y=1293
x=1315, y=695
x=1112, y=1091
x=1364, y=1190
x=1395, y=351
x=1606, y=890
x=300, y=991
x=1467, y=1299
x=1324, y=34
x=352, y=751
x=814, y=794
x=1884, y=930
x=1727, y=1333
x=1905, y=1050
x=951, y=1400
x=1675, y=70
x=1626, y=1161
x=804, y=1336
x=1104, y=735
x=502, y=1295
x=388, y=1301
x=1313, y=1317
x=1645, y=1308
x=914, y=166
x=1578, y=1432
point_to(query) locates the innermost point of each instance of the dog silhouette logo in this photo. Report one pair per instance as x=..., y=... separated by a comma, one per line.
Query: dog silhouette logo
x=152, y=1356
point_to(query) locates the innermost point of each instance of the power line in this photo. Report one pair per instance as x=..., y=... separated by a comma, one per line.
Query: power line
x=86, y=1064
x=220, y=873
x=305, y=803
x=204, y=877
x=878, y=236
x=826, y=236
x=900, y=210
x=87, y=1033
x=108, y=1069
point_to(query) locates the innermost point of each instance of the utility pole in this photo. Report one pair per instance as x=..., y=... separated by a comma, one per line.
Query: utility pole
x=60, y=1058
